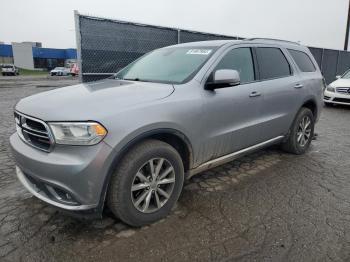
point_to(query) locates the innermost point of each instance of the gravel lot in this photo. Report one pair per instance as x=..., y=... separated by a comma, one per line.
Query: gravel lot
x=268, y=206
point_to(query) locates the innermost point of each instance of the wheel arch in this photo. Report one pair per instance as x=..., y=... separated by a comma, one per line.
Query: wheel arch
x=312, y=105
x=171, y=136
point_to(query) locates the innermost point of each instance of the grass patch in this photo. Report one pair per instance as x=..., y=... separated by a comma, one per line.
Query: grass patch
x=27, y=72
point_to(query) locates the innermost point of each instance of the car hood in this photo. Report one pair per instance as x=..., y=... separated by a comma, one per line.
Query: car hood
x=91, y=101
x=341, y=83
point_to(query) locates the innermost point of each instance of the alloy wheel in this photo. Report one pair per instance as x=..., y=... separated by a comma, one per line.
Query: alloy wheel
x=304, y=131
x=153, y=185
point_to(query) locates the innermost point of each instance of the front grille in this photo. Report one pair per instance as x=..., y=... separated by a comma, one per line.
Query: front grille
x=342, y=100
x=34, y=132
x=343, y=90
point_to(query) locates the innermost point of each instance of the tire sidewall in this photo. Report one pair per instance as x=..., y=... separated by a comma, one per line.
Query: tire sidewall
x=302, y=113
x=129, y=213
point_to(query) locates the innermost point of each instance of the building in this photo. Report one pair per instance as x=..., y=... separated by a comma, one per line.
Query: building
x=30, y=55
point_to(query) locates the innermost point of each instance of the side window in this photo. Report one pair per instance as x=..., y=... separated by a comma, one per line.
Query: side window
x=272, y=63
x=302, y=60
x=239, y=59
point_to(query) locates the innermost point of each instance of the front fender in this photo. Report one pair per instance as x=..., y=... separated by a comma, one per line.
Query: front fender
x=129, y=141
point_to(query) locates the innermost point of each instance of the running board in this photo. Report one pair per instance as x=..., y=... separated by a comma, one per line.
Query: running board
x=227, y=158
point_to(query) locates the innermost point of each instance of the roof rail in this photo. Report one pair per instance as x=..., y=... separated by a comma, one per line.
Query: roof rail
x=271, y=39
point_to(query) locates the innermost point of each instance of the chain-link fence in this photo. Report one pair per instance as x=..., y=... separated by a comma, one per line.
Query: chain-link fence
x=105, y=46
x=331, y=62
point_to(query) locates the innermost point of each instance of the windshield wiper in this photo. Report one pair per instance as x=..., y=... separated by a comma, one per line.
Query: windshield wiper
x=132, y=79
x=136, y=79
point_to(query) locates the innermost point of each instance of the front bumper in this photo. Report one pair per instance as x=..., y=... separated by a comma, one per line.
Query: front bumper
x=336, y=98
x=70, y=177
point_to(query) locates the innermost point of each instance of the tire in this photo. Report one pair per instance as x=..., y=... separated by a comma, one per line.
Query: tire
x=293, y=144
x=123, y=202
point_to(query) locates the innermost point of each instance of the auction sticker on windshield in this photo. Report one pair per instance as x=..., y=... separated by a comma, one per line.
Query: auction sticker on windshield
x=199, y=52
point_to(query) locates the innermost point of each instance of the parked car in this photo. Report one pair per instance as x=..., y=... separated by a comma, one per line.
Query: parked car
x=9, y=69
x=131, y=140
x=60, y=71
x=338, y=92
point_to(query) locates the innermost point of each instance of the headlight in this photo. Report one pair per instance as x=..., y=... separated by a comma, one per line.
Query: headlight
x=330, y=89
x=78, y=133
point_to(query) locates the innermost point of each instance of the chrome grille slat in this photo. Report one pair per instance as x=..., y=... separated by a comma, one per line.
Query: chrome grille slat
x=343, y=90
x=31, y=131
x=25, y=126
x=33, y=134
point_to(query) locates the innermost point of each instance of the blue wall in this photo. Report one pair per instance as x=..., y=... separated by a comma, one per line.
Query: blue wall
x=6, y=50
x=70, y=53
x=54, y=53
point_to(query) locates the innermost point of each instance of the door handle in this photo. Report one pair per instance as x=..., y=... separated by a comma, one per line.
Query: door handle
x=254, y=94
x=298, y=86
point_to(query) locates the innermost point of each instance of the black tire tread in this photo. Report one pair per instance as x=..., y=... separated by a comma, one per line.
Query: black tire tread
x=290, y=145
x=114, y=196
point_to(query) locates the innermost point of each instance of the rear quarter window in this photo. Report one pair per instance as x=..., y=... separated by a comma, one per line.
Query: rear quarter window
x=272, y=63
x=302, y=60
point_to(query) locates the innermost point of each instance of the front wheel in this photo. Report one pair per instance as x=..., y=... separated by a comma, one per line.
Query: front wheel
x=301, y=133
x=146, y=184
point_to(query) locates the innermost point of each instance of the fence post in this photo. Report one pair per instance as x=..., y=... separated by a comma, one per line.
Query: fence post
x=337, y=67
x=322, y=60
x=178, y=36
x=78, y=43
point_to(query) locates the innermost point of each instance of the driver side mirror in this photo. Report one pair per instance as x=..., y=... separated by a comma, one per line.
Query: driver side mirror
x=223, y=78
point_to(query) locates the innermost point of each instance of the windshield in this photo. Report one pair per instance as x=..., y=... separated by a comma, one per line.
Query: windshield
x=346, y=75
x=167, y=65
x=7, y=66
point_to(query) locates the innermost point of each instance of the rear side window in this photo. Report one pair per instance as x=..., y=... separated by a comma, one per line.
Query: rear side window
x=272, y=63
x=239, y=59
x=302, y=60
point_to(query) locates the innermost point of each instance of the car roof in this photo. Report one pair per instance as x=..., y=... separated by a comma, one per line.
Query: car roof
x=219, y=43
x=213, y=43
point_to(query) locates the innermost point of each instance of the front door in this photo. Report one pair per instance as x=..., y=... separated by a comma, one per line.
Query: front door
x=232, y=113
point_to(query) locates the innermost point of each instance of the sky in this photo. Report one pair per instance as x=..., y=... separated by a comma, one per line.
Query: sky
x=319, y=23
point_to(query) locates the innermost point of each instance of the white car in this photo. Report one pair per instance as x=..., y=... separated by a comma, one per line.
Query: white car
x=60, y=71
x=338, y=92
x=9, y=70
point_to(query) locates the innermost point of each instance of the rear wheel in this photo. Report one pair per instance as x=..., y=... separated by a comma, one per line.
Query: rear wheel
x=146, y=184
x=301, y=133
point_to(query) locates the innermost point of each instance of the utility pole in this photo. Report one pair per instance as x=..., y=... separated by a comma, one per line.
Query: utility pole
x=347, y=30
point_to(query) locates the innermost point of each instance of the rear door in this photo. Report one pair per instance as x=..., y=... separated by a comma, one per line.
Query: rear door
x=282, y=89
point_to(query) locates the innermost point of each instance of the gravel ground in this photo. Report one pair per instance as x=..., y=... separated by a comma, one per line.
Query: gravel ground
x=267, y=206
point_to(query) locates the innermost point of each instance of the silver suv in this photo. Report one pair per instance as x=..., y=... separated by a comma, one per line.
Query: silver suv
x=131, y=140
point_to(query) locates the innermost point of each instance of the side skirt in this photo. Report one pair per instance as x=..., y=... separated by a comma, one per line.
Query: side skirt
x=227, y=158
